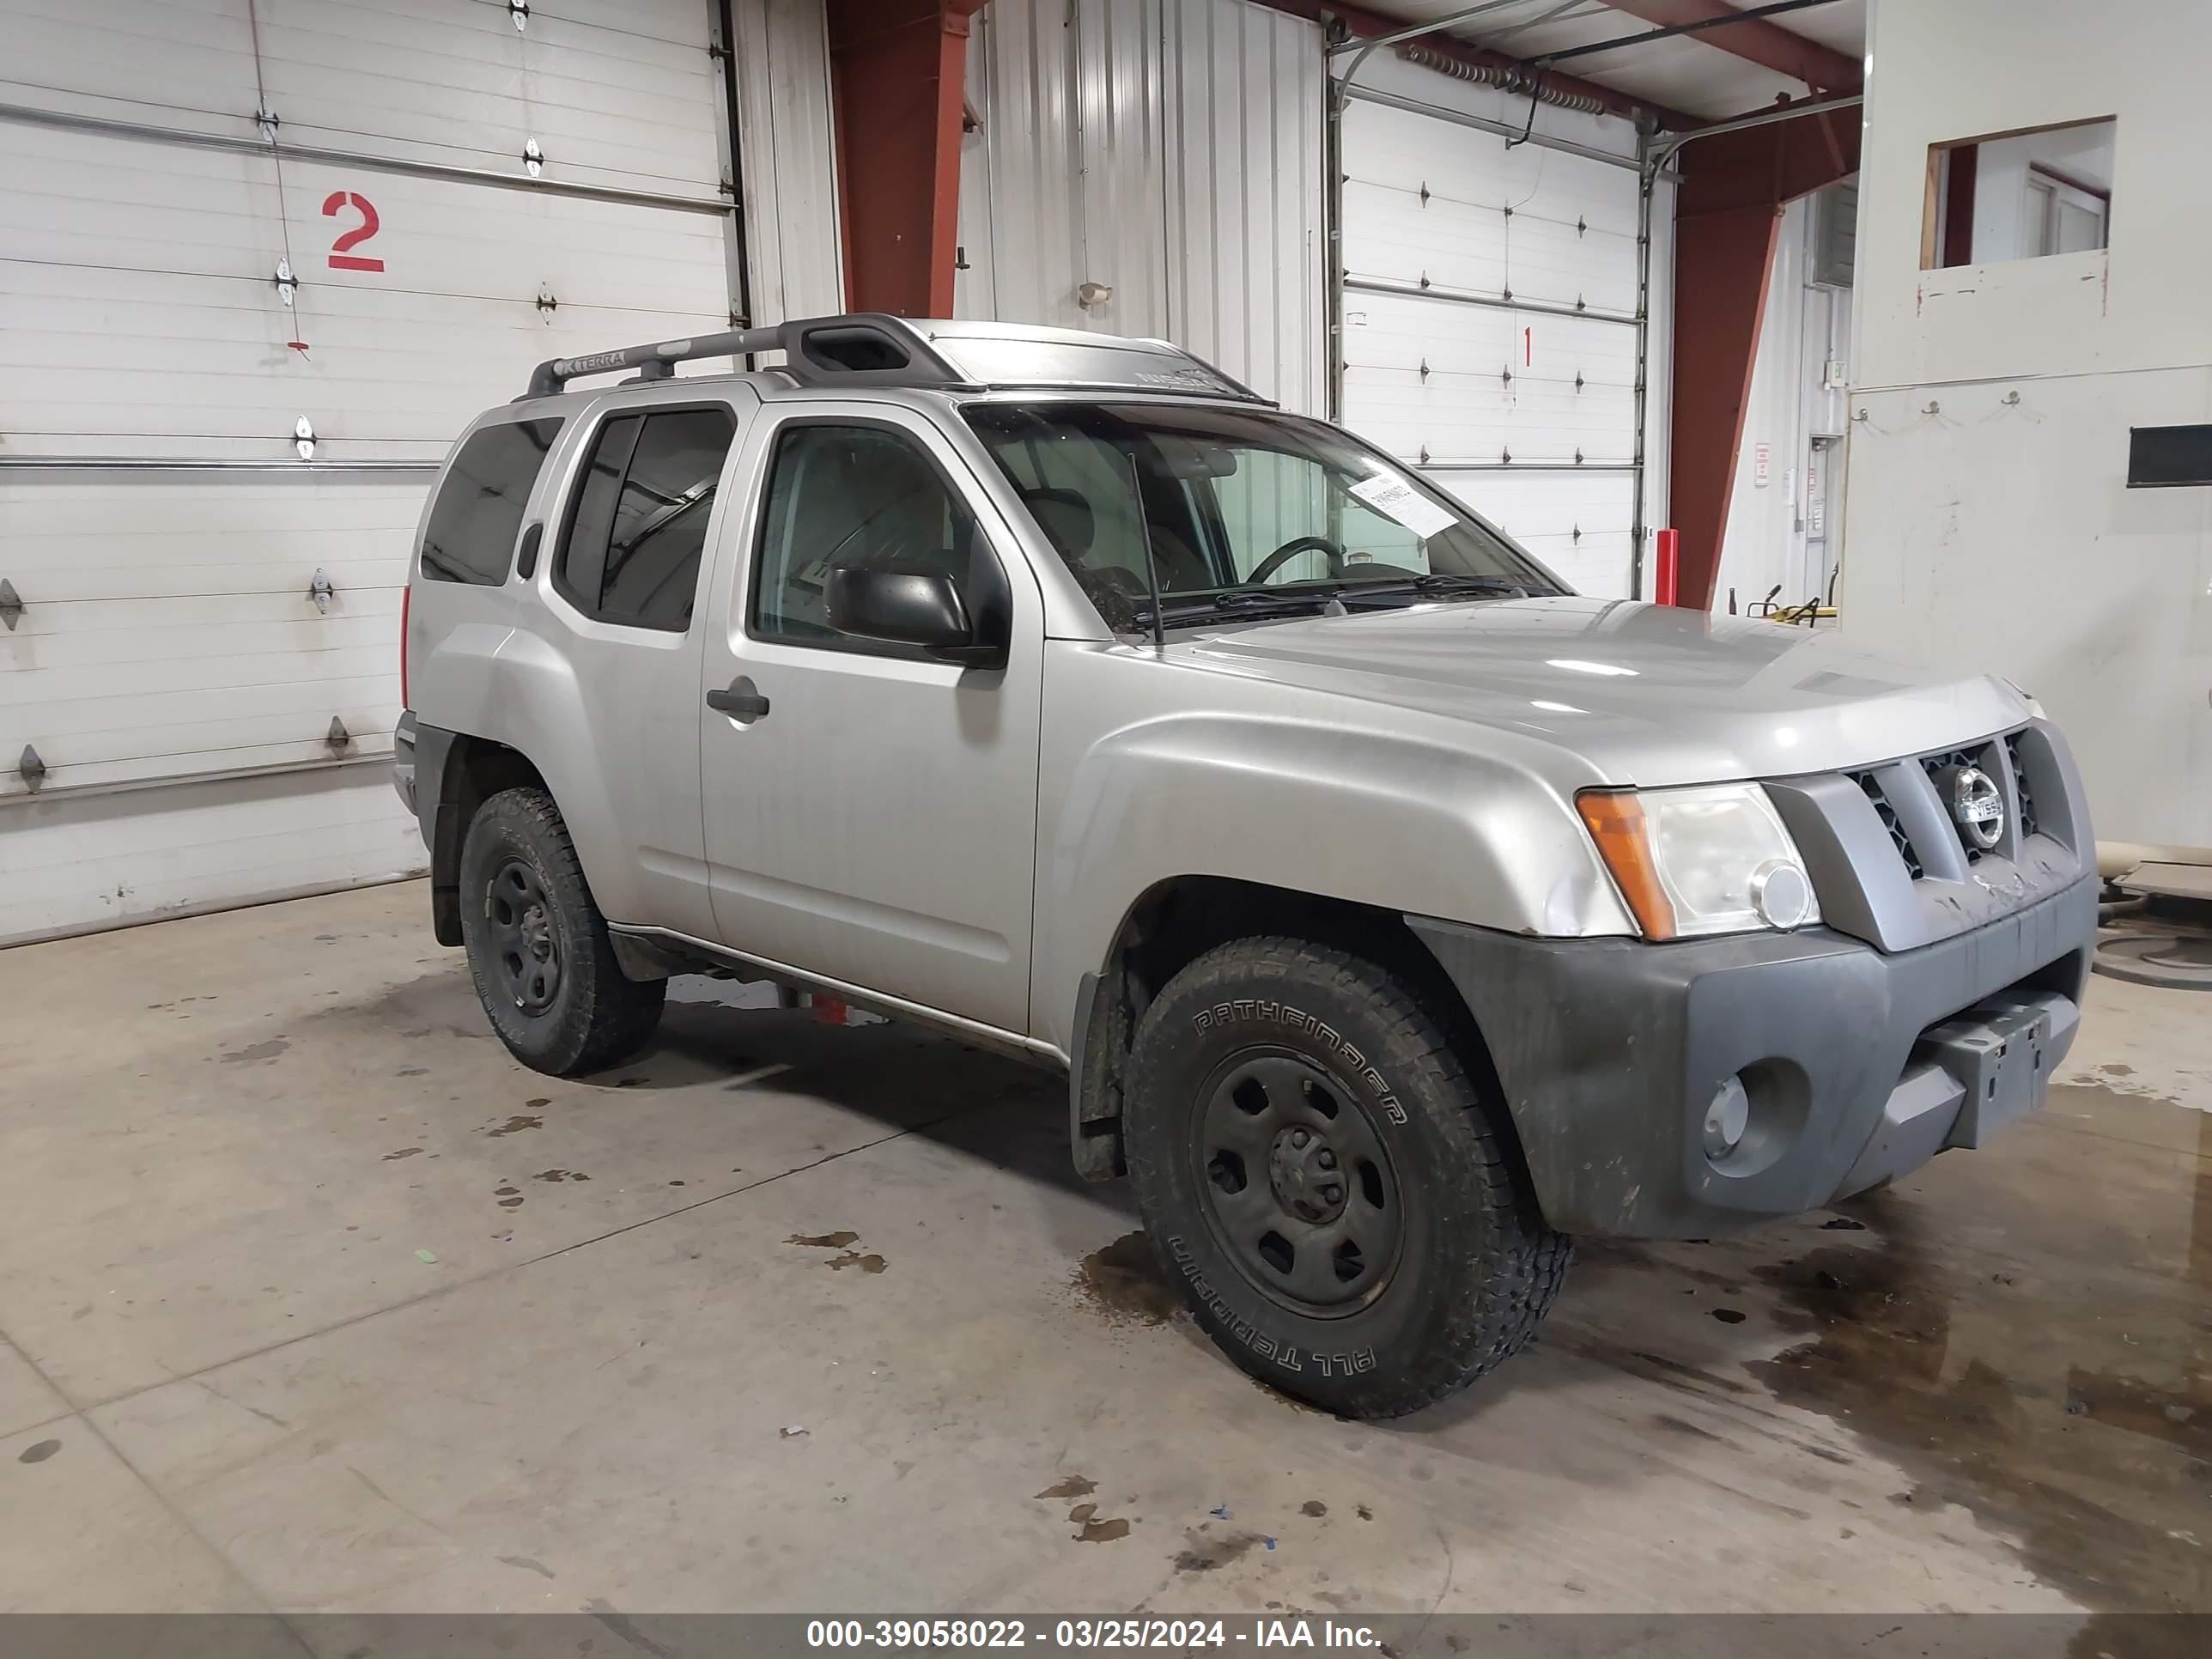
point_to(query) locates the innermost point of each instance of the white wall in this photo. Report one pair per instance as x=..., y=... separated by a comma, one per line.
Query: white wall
x=1777, y=531
x=1988, y=524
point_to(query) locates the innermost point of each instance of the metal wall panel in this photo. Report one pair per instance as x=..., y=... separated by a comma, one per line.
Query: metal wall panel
x=1246, y=279
x=790, y=162
x=1168, y=149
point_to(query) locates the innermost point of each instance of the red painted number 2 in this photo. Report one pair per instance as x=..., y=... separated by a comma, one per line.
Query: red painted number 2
x=337, y=203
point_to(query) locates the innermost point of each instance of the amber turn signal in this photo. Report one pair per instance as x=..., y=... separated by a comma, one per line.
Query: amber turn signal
x=1615, y=821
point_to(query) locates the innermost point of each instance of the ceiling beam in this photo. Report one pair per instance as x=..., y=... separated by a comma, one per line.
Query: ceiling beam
x=1755, y=40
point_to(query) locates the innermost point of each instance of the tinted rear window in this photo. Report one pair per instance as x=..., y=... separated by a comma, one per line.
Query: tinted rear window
x=478, y=512
x=639, y=527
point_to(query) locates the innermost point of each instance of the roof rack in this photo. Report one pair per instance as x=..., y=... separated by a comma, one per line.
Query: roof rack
x=871, y=348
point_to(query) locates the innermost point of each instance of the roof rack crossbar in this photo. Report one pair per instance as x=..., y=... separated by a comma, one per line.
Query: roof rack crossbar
x=658, y=359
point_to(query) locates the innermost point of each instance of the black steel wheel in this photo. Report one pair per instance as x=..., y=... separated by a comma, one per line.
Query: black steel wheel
x=1298, y=1182
x=1336, y=1196
x=518, y=916
x=537, y=946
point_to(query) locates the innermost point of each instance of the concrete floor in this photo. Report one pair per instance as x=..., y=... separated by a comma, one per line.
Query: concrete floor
x=310, y=1299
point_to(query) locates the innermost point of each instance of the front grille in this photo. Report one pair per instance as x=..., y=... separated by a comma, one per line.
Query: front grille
x=2027, y=797
x=1911, y=797
x=1871, y=786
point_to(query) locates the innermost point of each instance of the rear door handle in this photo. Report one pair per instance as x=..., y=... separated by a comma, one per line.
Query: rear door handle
x=742, y=701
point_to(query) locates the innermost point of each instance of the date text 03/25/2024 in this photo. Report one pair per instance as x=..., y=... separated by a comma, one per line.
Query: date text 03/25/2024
x=1173, y=1635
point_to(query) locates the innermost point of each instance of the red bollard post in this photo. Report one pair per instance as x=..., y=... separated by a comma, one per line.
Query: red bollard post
x=1668, y=544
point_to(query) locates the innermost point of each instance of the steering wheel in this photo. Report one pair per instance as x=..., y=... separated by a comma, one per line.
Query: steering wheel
x=1290, y=550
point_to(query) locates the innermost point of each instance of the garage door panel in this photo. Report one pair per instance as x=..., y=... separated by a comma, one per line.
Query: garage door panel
x=1600, y=565
x=283, y=661
x=1392, y=330
x=1390, y=235
x=131, y=731
x=1427, y=376
x=193, y=56
x=1408, y=151
x=148, y=348
x=1404, y=329
x=1537, y=408
x=82, y=200
x=50, y=634
x=1564, y=265
x=608, y=102
x=173, y=723
x=234, y=758
x=1393, y=236
x=168, y=637
x=364, y=400
x=89, y=200
x=641, y=114
x=143, y=537
x=1579, y=521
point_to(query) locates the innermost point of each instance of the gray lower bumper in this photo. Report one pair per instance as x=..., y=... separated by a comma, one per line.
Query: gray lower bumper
x=1858, y=1066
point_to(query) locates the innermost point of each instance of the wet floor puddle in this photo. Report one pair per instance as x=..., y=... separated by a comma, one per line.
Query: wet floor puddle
x=2026, y=1329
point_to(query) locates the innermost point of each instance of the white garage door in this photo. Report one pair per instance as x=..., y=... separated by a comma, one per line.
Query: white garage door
x=210, y=474
x=1489, y=327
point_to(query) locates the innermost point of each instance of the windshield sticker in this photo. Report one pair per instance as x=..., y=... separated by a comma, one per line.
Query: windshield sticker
x=1396, y=500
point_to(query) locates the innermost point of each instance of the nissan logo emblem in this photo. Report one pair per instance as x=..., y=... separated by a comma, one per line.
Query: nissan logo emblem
x=1976, y=807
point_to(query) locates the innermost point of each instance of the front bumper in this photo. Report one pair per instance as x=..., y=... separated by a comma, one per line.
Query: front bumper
x=1860, y=1066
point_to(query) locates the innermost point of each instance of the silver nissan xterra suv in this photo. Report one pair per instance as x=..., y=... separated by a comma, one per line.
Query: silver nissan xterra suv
x=1396, y=913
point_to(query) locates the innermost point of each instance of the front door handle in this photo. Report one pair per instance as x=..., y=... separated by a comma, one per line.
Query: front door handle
x=742, y=701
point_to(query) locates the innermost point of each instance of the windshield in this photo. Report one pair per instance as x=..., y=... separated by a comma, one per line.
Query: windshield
x=1241, y=511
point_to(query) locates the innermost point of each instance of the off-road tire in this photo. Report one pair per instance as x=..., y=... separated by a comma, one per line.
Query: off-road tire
x=1476, y=1268
x=595, y=1015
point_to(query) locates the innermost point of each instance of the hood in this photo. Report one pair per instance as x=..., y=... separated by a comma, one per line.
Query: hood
x=1648, y=694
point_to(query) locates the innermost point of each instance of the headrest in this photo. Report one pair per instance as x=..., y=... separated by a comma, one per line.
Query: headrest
x=1065, y=517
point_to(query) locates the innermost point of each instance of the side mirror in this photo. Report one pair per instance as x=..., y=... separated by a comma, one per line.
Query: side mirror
x=908, y=607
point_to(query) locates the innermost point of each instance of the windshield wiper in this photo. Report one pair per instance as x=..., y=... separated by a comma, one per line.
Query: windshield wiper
x=1436, y=582
x=1235, y=602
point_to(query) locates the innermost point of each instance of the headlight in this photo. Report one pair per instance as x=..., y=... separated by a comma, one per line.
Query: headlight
x=1712, y=860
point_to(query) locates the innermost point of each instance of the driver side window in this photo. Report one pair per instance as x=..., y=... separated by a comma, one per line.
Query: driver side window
x=850, y=496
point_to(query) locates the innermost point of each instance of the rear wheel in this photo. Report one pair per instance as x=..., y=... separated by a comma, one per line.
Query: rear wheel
x=1326, y=1183
x=537, y=946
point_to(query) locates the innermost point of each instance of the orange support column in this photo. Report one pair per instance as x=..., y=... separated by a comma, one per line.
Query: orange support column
x=897, y=70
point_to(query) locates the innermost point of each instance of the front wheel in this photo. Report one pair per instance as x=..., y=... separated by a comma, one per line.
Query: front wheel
x=1326, y=1185
x=537, y=946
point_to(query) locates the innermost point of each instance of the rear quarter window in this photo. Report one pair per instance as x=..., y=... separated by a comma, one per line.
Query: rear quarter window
x=478, y=512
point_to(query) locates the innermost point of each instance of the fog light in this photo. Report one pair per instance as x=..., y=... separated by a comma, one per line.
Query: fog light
x=1727, y=1118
